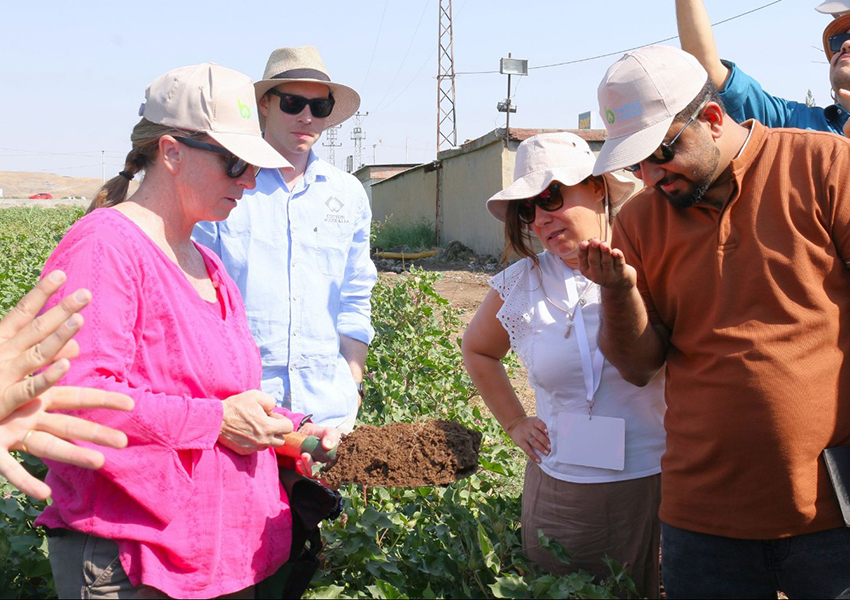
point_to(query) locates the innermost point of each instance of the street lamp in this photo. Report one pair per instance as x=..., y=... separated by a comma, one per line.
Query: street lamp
x=510, y=66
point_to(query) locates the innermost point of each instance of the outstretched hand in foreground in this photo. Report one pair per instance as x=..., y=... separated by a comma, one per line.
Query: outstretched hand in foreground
x=28, y=343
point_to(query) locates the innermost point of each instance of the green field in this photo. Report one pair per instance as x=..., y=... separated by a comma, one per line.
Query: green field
x=460, y=541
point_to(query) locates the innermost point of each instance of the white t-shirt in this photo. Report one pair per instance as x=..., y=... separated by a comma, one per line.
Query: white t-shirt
x=536, y=329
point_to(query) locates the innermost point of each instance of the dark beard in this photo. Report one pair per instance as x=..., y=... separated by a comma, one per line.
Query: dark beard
x=690, y=199
x=702, y=179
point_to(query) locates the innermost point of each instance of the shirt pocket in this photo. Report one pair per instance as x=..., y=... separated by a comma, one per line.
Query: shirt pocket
x=332, y=245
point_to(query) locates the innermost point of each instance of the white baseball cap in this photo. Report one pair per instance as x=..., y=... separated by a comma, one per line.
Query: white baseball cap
x=836, y=8
x=546, y=157
x=639, y=97
x=214, y=100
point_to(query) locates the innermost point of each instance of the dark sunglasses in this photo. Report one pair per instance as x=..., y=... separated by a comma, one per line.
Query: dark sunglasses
x=837, y=41
x=549, y=200
x=293, y=105
x=665, y=152
x=235, y=166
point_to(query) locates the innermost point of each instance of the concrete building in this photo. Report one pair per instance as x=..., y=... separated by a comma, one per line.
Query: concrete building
x=371, y=174
x=451, y=192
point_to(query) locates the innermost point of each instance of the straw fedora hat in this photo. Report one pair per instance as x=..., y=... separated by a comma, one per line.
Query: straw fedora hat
x=303, y=63
x=563, y=157
x=840, y=24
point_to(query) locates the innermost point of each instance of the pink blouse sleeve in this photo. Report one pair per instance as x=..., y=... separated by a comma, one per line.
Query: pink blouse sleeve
x=155, y=468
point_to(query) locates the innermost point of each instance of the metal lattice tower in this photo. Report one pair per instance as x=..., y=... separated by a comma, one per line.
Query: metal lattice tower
x=331, y=143
x=446, y=118
x=358, y=136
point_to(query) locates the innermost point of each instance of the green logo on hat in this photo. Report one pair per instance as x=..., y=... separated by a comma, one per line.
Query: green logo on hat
x=610, y=115
x=244, y=109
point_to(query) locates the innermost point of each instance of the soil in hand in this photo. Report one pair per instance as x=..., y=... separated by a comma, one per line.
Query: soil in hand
x=405, y=455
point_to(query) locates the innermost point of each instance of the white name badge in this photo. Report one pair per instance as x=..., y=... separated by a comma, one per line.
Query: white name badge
x=598, y=442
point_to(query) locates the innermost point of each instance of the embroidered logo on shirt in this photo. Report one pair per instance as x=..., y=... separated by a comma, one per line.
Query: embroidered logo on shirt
x=335, y=205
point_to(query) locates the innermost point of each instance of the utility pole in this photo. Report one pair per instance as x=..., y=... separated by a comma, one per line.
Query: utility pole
x=358, y=136
x=103, y=166
x=510, y=66
x=331, y=143
x=446, y=117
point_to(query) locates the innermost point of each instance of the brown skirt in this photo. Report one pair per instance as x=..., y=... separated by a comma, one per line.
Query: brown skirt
x=592, y=520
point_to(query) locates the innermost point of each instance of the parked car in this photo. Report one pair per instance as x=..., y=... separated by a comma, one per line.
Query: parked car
x=41, y=196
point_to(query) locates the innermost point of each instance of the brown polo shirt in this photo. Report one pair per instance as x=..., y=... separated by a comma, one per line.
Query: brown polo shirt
x=757, y=298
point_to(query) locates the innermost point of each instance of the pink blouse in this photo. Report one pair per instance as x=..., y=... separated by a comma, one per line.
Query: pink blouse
x=191, y=517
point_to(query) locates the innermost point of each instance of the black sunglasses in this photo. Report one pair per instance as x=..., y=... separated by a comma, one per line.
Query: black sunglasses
x=665, y=152
x=235, y=166
x=837, y=41
x=293, y=105
x=549, y=200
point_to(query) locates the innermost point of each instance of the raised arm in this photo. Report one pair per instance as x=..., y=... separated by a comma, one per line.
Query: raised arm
x=485, y=344
x=627, y=338
x=697, y=39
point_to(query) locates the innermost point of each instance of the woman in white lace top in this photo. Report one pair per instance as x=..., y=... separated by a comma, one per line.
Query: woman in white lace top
x=592, y=481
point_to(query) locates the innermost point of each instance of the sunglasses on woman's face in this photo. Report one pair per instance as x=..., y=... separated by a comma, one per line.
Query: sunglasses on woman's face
x=293, y=105
x=549, y=200
x=837, y=41
x=235, y=167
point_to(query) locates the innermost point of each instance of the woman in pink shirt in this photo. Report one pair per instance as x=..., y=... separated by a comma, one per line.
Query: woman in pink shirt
x=193, y=507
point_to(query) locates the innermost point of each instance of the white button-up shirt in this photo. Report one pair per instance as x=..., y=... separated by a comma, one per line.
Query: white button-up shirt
x=301, y=260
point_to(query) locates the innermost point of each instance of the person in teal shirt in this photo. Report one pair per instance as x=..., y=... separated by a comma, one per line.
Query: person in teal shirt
x=745, y=98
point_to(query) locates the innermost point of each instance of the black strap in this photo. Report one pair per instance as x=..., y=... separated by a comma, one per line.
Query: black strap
x=302, y=74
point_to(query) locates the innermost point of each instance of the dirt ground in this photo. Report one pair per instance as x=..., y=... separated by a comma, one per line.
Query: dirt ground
x=464, y=284
x=405, y=455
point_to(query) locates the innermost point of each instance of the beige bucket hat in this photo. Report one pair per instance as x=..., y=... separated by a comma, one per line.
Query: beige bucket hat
x=639, y=97
x=563, y=157
x=215, y=100
x=303, y=63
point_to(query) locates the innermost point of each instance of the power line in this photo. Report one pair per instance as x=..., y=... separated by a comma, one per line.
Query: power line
x=618, y=52
x=375, y=47
x=427, y=60
x=412, y=38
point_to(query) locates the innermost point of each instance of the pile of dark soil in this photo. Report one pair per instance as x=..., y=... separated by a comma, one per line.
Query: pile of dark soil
x=405, y=455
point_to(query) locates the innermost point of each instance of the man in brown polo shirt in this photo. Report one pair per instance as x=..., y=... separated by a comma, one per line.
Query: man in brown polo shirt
x=731, y=269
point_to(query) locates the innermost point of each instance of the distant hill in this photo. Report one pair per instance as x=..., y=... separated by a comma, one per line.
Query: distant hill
x=19, y=184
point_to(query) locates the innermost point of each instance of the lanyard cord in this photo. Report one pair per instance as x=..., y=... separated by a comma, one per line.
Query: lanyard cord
x=591, y=363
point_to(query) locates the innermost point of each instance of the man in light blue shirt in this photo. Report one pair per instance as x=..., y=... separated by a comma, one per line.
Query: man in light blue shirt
x=297, y=246
x=744, y=97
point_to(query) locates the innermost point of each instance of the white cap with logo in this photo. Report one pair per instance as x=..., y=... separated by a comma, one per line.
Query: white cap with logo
x=639, y=97
x=215, y=100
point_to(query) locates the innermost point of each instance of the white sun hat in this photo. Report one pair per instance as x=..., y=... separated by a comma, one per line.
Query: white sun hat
x=563, y=157
x=214, y=100
x=639, y=97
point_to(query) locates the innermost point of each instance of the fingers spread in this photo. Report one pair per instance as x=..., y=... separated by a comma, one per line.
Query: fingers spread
x=71, y=398
x=30, y=388
x=73, y=428
x=27, y=307
x=45, y=445
x=57, y=319
x=12, y=470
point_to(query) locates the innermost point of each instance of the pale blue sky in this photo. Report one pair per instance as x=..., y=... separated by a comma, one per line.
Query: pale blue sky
x=73, y=74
